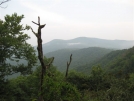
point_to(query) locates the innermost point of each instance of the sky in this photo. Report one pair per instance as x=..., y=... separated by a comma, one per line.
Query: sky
x=68, y=19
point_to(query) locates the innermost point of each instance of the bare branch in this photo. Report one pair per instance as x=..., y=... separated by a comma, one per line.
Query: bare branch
x=68, y=64
x=35, y=23
x=50, y=62
x=38, y=20
x=2, y=2
x=70, y=59
x=34, y=33
x=48, y=65
x=41, y=26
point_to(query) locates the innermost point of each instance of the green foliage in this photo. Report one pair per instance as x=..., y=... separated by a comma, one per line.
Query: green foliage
x=19, y=89
x=13, y=46
x=99, y=85
x=97, y=79
x=131, y=83
x=124, y=62
x=79, y=79
x=119, y=62
x=13, y=50
x=103, y=86
x=55, y=89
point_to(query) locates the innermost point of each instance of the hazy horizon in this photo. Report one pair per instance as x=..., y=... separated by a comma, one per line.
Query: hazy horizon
x=69, y=19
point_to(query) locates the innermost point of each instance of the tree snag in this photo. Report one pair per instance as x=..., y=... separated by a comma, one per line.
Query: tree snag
x=40, y=55
x=68, y=64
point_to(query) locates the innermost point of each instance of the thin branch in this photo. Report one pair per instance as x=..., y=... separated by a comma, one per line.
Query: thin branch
x=4, y=2
x=70, y=59
x=38, y=20
x=48, y=65
x=68, y=64
x=41, y=26
x=34, y=32
x=35, y=23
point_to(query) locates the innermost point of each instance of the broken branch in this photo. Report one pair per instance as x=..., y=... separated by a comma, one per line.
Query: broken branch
x=34, y=33
x=35, y=23
x=68, y=64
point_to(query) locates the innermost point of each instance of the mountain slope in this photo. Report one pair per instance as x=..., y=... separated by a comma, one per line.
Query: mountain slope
x=80, y=57
x=84, y=42
x=115, y=61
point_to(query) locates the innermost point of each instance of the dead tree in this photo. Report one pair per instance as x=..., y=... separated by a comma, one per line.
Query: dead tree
x=68, y=64
x=40, y=55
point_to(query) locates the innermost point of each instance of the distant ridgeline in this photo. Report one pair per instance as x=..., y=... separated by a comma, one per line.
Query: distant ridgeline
x=84, y=42
x=86, y=51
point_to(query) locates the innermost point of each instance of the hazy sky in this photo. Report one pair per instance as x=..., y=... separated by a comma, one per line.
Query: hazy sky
x=67, y=19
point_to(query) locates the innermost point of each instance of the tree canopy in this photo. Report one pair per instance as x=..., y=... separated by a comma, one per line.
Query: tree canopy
x=16, y=55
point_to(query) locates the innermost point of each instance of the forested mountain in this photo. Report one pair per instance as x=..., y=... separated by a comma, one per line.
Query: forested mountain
x=85, y=42
x=17, y=56
x=80, y=56
x=115, y=61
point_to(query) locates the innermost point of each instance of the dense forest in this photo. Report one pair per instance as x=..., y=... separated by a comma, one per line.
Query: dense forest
x=108, y=77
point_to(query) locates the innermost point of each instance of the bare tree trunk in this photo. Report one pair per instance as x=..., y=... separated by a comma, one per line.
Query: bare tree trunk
x=40, y=55
x=68, y=64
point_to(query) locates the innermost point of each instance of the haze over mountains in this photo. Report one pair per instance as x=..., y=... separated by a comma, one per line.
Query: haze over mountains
x=86, y=51
x=85, y=42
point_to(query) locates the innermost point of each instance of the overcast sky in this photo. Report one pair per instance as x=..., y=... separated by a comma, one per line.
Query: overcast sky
x=68, y=19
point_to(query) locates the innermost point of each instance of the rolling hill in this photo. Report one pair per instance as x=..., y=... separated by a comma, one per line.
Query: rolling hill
x=80, y=56
x=115, y=61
